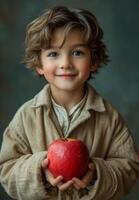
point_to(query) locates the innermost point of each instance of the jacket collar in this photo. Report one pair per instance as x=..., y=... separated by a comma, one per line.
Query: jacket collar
x=43, y=98
x=94, y=100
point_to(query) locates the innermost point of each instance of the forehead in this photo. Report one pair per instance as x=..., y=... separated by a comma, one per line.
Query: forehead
x=60, y=37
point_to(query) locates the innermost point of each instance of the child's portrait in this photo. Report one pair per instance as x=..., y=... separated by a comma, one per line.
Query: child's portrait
x=69, y=101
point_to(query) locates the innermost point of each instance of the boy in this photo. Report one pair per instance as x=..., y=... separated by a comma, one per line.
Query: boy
x=65, y=46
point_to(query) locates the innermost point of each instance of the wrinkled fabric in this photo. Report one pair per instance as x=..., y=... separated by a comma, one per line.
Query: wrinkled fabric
x=66, y=118
x=99, y=125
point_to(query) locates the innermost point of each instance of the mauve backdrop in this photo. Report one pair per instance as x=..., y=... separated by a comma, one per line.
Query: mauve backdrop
x=118, y=82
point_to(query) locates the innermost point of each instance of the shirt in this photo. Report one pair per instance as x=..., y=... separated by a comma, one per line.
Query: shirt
x=64, y=117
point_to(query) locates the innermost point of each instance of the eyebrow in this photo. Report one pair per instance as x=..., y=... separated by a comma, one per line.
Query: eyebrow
x=73, y=46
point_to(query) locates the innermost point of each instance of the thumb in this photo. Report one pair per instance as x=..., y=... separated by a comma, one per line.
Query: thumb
x=44, y=163
x=91, y=166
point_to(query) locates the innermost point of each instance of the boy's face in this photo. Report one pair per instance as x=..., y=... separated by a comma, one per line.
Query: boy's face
x=66, y=67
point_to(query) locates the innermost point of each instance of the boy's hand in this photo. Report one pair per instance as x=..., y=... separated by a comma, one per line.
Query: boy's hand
x=84, y=182
x=55, y=181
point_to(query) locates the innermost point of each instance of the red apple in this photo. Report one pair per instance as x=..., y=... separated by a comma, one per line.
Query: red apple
x=68, y=157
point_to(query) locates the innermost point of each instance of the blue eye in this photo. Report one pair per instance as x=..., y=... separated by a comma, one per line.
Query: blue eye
x=77, y=53
x=52, y=54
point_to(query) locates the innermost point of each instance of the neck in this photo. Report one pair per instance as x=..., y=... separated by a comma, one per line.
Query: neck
x=68, y=99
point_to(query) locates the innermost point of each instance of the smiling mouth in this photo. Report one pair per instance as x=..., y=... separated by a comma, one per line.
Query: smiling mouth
x=66, y=75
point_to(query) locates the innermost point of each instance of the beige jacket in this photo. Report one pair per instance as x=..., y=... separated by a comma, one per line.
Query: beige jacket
x=99, y=125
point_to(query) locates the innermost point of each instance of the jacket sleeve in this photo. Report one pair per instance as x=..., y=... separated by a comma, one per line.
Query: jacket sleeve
x=20, y=170
x=117, y=173
x=119, y=170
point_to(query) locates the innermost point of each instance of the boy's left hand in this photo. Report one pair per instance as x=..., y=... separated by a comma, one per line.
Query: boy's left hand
x=87, y=178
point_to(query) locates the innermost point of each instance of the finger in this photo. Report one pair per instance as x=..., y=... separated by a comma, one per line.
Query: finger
x=76, y=186
x=82, y=183
x=90, y=172
x=44, y=163
x=49, y=176
x=91, y=166
x=56, y=181
x=87, y=178
x=65, y=186
x=79, y=183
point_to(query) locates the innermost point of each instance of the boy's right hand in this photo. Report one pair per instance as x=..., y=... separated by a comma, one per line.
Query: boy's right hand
x=55, y=181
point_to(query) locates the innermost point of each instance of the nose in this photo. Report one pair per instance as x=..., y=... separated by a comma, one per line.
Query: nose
x=65, y=62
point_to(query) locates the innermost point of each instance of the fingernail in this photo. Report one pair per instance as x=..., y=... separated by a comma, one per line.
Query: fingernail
x=91, y=166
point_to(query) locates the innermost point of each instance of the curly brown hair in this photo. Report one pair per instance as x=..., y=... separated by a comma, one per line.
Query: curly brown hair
x=39, y=34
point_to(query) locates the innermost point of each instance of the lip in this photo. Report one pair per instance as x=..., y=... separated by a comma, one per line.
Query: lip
x=66, y=76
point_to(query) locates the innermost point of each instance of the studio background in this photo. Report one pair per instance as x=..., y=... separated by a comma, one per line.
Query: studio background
x=118, y=82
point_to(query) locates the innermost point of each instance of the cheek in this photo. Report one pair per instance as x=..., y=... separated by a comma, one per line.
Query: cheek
x=49, y=73
x=86, y=73
x=48, y=68
x=85, y=68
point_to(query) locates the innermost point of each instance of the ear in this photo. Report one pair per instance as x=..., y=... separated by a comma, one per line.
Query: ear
x=39, y=70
